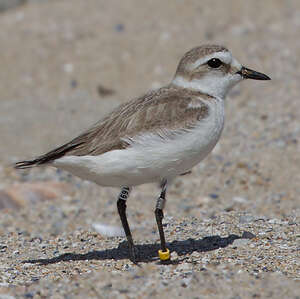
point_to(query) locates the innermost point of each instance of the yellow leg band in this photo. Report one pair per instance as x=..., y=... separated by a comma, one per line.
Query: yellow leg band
x=164, y=255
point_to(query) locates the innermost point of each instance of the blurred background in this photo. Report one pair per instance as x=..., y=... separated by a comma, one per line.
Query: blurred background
x=64, y=64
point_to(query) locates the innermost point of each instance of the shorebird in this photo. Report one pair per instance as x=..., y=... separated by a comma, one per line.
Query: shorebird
x=157, y=136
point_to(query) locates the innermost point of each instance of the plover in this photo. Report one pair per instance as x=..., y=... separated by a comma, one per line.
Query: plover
x=158, y=136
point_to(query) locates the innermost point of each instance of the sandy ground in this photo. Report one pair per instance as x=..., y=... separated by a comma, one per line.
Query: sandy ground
x=232, y=224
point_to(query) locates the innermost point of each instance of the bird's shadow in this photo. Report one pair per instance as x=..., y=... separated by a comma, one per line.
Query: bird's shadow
x=146, y=252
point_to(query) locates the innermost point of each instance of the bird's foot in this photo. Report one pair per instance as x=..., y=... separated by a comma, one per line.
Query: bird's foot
x=133, y=253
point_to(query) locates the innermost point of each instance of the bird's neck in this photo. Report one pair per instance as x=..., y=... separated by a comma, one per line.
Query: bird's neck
x=205, y=85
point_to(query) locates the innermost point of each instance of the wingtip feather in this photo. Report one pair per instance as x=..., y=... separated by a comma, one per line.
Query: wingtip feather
x=25, y=164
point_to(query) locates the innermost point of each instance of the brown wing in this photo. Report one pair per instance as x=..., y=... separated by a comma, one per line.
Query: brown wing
x=157, y=111
x=167, y=108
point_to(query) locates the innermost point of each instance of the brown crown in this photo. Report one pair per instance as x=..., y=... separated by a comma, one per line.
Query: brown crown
x=194, y=54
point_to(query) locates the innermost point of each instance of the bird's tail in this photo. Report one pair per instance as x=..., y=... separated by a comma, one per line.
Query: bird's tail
x=27, y=164
x=48, y=157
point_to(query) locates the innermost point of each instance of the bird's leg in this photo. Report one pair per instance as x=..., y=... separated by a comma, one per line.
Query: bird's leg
x=124, y=194
x=164, y=253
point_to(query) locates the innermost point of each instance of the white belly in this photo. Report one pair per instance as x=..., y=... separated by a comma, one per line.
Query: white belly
x=150, y=158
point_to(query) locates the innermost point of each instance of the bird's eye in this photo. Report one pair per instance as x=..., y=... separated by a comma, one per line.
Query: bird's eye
x=214, y=63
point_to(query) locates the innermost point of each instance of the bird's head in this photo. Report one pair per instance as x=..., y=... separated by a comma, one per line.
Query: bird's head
x=212, y=70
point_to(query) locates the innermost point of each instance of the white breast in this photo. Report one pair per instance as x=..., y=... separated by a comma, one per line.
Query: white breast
x=151, y=158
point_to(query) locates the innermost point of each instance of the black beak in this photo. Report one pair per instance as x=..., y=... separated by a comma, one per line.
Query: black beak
x=250, y=74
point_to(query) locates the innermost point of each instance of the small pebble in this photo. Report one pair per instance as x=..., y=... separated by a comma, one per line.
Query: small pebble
x=119, y=27
x=174, y=255
x=239, y=199
x=247, y=235
x=68, y=67
x=240, y=242
x=183, y=267
x=108, y=230
x=74, y=83
x=246, y=219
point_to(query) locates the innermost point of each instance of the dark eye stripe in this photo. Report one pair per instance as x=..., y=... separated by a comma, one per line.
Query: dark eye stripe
x=214, y=63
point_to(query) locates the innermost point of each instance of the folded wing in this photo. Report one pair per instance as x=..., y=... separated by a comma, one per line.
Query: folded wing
x=164, y=110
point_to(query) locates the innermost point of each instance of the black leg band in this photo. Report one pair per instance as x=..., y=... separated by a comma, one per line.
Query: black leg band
x=121, y=204
x=159, y=215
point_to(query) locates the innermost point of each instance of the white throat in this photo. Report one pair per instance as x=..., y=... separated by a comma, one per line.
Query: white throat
x=216, y=87
x=215, y=84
